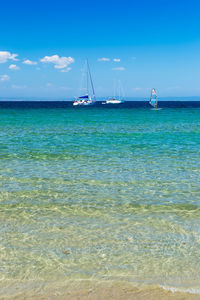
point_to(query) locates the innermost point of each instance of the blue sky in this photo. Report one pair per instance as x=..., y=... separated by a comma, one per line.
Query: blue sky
x=145, y=44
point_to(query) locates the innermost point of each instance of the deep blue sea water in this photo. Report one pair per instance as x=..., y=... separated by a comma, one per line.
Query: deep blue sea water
x=127, y=104
x=99, y=193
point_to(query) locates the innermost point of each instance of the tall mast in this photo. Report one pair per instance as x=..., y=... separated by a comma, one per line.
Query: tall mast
x=114, y=88
x=91, y=79
x=87, y=76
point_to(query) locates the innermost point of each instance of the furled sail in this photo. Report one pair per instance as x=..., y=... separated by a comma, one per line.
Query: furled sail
x=83, y=97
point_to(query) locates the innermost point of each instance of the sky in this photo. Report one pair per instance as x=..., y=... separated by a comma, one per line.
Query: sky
x=144, y=44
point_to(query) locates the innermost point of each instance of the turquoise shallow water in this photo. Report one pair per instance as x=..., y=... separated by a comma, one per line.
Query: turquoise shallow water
x=103, y=194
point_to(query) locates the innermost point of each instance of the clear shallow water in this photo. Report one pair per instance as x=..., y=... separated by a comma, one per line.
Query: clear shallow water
x=103, y=194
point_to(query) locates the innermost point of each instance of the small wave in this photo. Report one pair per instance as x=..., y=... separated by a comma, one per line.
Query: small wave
x=181, y=290
x=166, y=207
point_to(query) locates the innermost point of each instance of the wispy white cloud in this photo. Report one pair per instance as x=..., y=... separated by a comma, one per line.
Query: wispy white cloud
x=104, y=59
x=66, y=70
x=4, y=77
x=59, y=62
x=116, y=59
x=6, y=55
x=18, y=87
x=65, y=88
x=29, y=62
x=49, y=84
x=13, y=67
x=174, y=87
x=118, y=69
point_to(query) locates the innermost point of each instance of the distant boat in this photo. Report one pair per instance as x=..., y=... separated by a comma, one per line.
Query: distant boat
x=88, y=98
x=153, y=99
x=115, y=100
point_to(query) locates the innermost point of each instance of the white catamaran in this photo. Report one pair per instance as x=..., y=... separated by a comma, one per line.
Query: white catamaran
x=115, y=100
x=153, y=99
x=86, y=99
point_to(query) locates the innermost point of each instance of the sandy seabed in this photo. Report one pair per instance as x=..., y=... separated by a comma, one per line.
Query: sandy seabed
x=101, y=291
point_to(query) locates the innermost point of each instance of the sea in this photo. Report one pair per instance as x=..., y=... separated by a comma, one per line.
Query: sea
x=99, y=195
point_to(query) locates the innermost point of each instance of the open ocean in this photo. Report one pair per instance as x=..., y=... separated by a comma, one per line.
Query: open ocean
x=99, y=194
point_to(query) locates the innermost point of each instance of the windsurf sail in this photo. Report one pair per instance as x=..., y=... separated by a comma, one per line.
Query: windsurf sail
x=153, y=99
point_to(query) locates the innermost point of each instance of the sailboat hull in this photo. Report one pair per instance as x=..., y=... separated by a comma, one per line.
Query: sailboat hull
x=113, y=102
x=83, y=103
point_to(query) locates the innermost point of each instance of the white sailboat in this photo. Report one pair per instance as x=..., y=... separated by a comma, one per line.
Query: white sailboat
x=87, y=99
x=115, y=100
x=153, y=99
